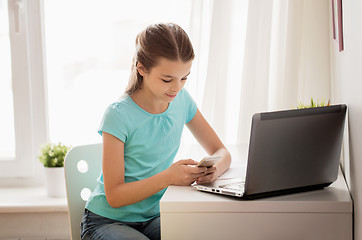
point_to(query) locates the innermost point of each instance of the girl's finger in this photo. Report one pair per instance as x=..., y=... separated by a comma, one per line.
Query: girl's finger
x=211, y=170
x=198, y=175
x=196, y=170
x=204, y=179
x=187, y=162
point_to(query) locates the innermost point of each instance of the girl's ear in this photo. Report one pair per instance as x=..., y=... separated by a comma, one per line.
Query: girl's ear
x=140, y=69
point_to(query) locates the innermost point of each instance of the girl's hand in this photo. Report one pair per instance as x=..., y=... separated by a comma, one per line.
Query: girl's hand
x=211, y=175
x=182, y=173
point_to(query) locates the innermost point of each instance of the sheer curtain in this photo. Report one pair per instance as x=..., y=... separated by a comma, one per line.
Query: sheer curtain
x=261, y=55
x=217, y=31
x=286, y=57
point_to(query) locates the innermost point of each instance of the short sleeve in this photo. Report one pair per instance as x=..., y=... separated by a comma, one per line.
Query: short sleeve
x=114, y=122
x=191, y=107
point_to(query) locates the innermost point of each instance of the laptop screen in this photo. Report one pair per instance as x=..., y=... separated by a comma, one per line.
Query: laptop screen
x=294, y=149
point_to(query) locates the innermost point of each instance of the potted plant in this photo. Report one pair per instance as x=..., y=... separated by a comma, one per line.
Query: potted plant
x=313, y=104
x=52, y=157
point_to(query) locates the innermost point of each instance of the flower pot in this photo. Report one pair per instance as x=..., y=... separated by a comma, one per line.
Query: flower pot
x=55, y=181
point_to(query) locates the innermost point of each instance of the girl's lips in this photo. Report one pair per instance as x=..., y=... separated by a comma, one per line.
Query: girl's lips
x=171, y=96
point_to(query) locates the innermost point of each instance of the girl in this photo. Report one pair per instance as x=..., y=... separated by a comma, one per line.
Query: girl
x=141, y=135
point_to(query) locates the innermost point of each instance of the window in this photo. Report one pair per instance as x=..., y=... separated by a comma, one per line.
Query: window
x=7, y=138
x=87, y=66
x=89, y=47
x=89, y=58
x=22, y=91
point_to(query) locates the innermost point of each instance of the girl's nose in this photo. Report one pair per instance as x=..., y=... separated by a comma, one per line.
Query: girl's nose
x=176, y=86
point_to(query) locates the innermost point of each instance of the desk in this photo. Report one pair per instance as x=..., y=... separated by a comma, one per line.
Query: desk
x=321, y=214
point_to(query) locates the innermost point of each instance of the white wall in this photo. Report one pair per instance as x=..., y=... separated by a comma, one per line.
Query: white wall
x=347, y=88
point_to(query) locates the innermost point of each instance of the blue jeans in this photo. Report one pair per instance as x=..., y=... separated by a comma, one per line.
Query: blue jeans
x=97, y=227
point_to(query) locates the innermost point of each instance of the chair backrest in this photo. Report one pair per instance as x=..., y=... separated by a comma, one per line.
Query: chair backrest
x=82, y=167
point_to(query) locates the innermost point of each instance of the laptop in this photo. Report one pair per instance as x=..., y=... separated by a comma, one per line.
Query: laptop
x=289, y=151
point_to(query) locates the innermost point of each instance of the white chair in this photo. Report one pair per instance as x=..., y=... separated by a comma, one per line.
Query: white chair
x=82, y=167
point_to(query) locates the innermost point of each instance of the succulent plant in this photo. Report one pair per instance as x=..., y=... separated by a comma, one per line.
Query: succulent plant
x=313, y=104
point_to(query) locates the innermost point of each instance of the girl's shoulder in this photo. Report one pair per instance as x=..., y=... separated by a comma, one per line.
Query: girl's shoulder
x=123, y=102
x=184, y=98
x=183, y=95
x=122, y=107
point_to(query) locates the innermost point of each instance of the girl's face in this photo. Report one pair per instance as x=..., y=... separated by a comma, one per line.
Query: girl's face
x=165, y=80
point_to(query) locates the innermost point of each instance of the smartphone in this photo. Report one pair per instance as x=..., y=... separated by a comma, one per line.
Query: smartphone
x=208, y=161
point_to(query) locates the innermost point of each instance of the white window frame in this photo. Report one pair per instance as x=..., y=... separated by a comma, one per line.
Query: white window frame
x=28, y=83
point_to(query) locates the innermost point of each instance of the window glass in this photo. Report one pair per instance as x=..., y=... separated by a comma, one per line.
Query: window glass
x=89, y=51
x=7, y=136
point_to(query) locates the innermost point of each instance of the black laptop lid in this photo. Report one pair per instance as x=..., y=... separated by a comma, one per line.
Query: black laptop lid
x=294, y=150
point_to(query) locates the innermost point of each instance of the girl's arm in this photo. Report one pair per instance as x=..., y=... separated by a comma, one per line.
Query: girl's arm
x=208, y=139
x=119, y=193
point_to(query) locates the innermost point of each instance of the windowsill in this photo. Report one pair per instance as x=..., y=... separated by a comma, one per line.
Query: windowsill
x=29, y=200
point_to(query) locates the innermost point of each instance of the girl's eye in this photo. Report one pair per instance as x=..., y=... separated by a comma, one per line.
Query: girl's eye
x=167, y=81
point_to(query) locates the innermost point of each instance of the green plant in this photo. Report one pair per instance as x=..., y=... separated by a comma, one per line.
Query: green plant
x=52, y=155
x=313, y=104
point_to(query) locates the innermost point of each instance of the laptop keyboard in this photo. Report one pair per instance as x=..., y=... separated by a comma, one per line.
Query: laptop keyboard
x=238, y=186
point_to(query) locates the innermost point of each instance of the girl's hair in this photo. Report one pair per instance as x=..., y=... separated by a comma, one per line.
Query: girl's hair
x=158, y=40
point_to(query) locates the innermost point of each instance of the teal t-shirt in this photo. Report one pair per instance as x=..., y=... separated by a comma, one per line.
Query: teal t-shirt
x=151, y=142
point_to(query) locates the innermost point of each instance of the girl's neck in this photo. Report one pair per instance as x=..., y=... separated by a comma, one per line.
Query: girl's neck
x=149, y=103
